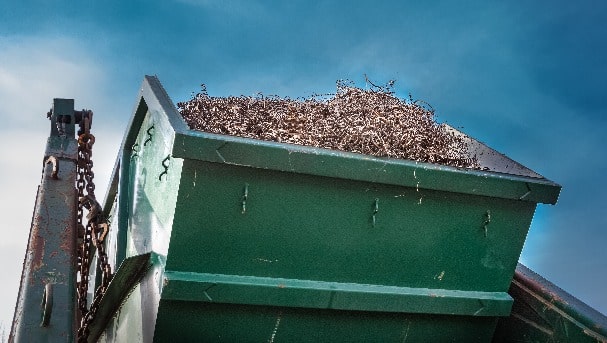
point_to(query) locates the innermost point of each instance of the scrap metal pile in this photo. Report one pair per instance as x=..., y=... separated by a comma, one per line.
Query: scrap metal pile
x=367, y=121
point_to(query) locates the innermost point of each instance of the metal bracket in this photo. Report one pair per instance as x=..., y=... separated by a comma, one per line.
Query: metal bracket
x=93, y=206
x=375, y=211
x=487, y=221
x=84, y=119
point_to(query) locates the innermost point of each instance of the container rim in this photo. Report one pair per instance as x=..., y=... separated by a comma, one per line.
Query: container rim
x=502, y=177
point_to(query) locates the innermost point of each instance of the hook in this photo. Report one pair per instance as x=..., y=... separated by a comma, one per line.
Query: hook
x=55, y=162
x=165, y=166
x=150, y=134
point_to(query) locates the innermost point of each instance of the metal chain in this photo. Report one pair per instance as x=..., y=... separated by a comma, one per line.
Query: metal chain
x=90, y=235
x=84, y=240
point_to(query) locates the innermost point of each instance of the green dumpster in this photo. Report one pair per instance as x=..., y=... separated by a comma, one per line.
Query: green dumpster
x=255, y=241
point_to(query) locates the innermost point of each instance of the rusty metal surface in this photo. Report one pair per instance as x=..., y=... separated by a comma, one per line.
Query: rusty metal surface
x=50, y=255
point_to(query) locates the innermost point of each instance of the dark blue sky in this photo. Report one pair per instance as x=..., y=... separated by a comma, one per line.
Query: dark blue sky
x=527, y=78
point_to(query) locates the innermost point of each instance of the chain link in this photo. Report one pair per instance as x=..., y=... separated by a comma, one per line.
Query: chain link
x=90, y=236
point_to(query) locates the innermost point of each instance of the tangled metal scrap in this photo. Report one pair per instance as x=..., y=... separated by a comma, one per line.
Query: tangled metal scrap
x=372, y=122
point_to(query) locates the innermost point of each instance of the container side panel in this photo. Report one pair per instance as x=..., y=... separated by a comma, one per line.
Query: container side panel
x=154, y=183
x=246, y=221
x=151, y=189
x=112, y=236
x=347, y=165
x=543, y=312
x=135, y=320
x=194, y=322
x=127, y=323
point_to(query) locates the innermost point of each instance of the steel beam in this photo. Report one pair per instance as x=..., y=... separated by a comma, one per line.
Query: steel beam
x=45, y=309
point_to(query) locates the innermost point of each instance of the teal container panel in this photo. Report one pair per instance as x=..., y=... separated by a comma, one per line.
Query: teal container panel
x=154, y=182
x=127, y=322
x=135, y=320
x=236, y=220
x=237, y=323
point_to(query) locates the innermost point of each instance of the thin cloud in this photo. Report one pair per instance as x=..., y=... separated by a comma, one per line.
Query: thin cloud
x=34, y=70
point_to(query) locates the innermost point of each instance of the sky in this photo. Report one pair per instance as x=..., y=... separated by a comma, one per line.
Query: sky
x=529, y=79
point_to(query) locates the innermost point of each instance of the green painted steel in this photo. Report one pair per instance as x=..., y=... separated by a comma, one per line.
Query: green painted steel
x=316, y=228
x=231, y=150
x=238, y=323
x=250, y=290
x=125, y=279
x=129, y=308
x=140, y=203
x=45, y=309
x=543, y=312
x=262, y=241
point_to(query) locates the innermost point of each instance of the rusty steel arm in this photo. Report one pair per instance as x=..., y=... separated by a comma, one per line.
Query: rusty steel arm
x=45, y=309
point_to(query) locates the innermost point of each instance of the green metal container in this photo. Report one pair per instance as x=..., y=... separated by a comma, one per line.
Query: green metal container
x=542, y=312
x=252, y=241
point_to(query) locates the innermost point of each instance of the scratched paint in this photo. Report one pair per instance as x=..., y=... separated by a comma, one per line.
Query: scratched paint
x=276, y=325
